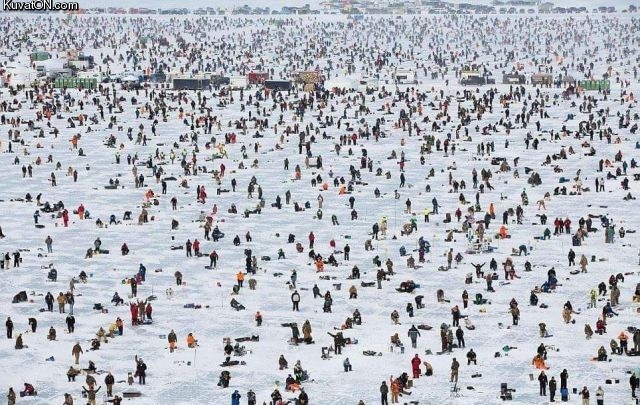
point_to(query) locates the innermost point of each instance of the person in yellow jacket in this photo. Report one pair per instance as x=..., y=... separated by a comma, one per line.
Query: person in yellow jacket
x=427, y=211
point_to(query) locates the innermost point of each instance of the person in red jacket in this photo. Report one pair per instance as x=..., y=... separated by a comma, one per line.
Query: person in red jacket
x=134, y=314
x=312, y=238
x=415, y=365
x=196, y=247
x=213, y=259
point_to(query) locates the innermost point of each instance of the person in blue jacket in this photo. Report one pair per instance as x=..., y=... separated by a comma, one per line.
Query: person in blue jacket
x=235, y=398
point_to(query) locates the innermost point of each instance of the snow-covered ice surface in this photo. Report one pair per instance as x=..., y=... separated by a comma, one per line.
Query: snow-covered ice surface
x=170, y=380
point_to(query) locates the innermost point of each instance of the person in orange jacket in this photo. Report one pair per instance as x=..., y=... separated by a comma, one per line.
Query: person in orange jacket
x=191, y=341
x=538, y=362
x=395, y=391
x=240, y=278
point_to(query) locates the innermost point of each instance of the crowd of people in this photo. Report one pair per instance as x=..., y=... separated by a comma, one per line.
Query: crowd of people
x=365, y=214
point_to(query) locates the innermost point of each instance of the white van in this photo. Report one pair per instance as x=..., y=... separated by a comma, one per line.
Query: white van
x=238, y=82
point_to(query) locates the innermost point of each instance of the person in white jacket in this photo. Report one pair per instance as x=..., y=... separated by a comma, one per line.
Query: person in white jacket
x=600, y=396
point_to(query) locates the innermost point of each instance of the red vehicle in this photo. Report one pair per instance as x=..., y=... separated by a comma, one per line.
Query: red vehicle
x=257, y=77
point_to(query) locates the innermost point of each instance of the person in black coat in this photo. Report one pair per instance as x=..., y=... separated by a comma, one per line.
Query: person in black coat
x=542, y=378
x=33, y=322
x=303, y=398
x=552, y=389
x=141, y=371
x=384, y=391
x=564, y=376
x=633, y=382
x=71, y=323
x=48, y=299
x=9, y=325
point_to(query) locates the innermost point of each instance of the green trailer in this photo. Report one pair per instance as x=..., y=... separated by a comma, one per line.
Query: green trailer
x=76, y=83
x=40, y=56
x=595, y=85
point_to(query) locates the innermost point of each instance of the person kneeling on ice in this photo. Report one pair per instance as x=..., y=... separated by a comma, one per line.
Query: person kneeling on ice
x=276, y=396
x=19, y=345
x=602, y=354
x=303, y=398
x=472, y=357
x=608, y=310
x=347, y=365
x=28, y=391
x=538, y=362
x=116, y=299
x=224, y=379
x=428, y=369
x=291, y=384
x=191, y=341
x=543, y=330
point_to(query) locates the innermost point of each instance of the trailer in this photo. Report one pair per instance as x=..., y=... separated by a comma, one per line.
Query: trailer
x=217, y=80
x=39, y=56
x=75, y=83
x=277, y=85
x=238, y=82
x=257, y=77
x=513, y=78
x=191, y=84
x=158, y=77
x=595, y=85
x=405, y=76
x=474, y=78
x=367, y=84
x=81, y=62
x=307, y=77
x=542, y=79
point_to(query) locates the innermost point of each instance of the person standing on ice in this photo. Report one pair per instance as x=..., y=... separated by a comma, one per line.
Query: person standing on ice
x=585, y=396
x=384, y=393
x=455, y=366
x=76, y=351
x=600, y=396
x=583, y=264
x=542, y=379
x=11, y=397
x=415, y=366
x=9, y=325
x=413, y=335
x=251, y=398
x=235, y=398
x=312, y=239
x=295, y=299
